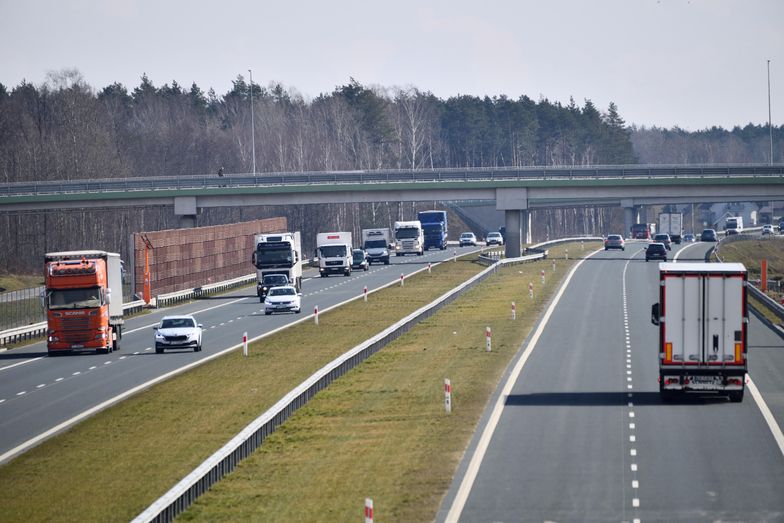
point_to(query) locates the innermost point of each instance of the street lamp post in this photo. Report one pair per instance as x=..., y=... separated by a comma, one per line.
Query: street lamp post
x=252, y=125
x=770, y=126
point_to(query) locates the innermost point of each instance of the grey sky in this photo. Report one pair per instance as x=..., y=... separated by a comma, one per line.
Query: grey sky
x=690, y=63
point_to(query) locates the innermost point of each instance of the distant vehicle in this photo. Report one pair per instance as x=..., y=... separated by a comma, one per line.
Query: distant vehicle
x=708, y=235
x=663, y=238
x=671, y=223
x=502, y=230
x=643, y=231
x=703, y=342
x=733, y=222
x=435, y=227
x=283, y=299
x=376, y=243
x=178, y=332
x=614, y=241
x=467, y=238
x=359, y=259
x=767, y=229
x=409, y=238
x=278, y=253
x=689, y=237
x=334, y=253
x=781, y=227
x=269, y=281
x=494, y=238
x=731, y=232
x=656, y=251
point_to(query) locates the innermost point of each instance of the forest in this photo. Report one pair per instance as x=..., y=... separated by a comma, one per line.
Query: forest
x=65, y=129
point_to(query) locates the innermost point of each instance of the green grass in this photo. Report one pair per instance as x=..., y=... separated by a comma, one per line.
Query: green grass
x=112, y=466
x=15, y=282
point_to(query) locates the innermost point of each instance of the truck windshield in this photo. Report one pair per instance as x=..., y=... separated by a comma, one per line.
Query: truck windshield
x=433, y=228
x=273, y=255
x=401, y=234
x=332, y=251
x=376, y=244
x=75, y=298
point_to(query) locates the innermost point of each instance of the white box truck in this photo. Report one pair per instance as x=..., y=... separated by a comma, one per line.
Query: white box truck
x=376, y=243
x=671, y=223
x=734, y=222
x=334, y=253
x=277, y=254
x=703, y=328
x=409, y=238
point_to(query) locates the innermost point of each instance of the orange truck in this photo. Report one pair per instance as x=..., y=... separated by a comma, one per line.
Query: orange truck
x=83, y=301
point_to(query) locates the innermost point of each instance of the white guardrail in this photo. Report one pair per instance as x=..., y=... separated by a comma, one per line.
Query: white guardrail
x=184, y=493
x=36, y=330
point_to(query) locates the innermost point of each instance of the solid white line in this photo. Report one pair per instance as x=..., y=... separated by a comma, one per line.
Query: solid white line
x=2, y=400
x=484, y=441
x=767, y=414
x=22, y=363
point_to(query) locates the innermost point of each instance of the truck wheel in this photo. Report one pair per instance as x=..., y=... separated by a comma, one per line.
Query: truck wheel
x=420, y=253
x=116, y=345
x=736, y=396
x=103, y=351
x=386, y=262
x=158, y=350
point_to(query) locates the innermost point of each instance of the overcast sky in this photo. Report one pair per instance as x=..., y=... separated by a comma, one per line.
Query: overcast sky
x=686, y=63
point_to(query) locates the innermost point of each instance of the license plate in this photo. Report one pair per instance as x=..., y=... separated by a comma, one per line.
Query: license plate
x=77, y=346
x=705, y=380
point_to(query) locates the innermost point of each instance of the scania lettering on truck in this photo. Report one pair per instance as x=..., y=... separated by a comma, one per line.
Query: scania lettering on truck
x=434, y=226
x=334, y=253
x=376, y=243
x=409, y=238
x=83, y=301
x=671, y=223
x=277, y=254
x=703, y=328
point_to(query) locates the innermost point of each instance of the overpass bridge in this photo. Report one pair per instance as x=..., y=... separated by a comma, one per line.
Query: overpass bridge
x=516, y=191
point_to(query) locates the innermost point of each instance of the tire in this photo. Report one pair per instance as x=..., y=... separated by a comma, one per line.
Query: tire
x=267, y=313
x=197, y=348
x=386, y=262
x=103, y=351
x=297, y=311
x=158, y=350
x=736, y=396
x=116, y=345
x=367, y=267
x=324, y=274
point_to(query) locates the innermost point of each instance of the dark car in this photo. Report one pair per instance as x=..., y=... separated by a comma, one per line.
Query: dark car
x=656, y=251
x=359, y=259
x=708, y=235
x=267, y=282
x=663, y=238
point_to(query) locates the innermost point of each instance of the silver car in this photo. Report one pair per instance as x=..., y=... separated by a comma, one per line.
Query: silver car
x=178, y=332
x=283, y=299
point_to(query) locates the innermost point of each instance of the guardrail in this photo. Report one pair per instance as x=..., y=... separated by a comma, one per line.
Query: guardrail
x=185, y=492
x=164, y=300
x=35, y=330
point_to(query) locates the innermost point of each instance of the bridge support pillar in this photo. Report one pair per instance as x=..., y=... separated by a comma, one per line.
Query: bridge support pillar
x=630, y=214
x=517, y=219
x=185, y=208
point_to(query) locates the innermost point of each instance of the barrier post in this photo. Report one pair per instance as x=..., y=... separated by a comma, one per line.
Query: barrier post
x=245, y=344
x=364, y=291
x=488, y=340
x=566, y=257
x=531, y=290
x=542, y=274
x=553, y=265
x=402, y=277
x=447, y=396
x=514, y=311
x=315, y=314
x=368, y=510
x=454, y=255
x=428, y=267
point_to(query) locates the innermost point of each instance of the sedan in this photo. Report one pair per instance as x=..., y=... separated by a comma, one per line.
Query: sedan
x=467, y=238
x=178, y=332
x=767, y=229
x=283, y=299
x=656, y=251
x=663, y=238
x=494, y=238
x=614, y=241
x=708, y=235
x=689, y=238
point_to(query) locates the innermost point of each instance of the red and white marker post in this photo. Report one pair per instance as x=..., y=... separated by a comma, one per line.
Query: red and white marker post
x=566, y=256
x=368, y=510
x=488, y=340
x=315, y=314
x=447, y=396
x=542, y=275
x=429, y=266
x=245, y=344
x=553, y=265
x=364, y=291
x=531, y=290
x=454, y=255
x=402, y=278
x=514, y=311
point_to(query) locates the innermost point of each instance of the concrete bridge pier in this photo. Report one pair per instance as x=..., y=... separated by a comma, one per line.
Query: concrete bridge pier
x=185, y=209
x=630, y=215
x=517, y=219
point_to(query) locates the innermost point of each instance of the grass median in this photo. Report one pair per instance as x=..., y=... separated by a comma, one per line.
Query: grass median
x=113, y=465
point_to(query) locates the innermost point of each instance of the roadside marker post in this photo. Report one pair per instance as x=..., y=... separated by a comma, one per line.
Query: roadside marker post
x=368, y=510
x=315, y=314
x=454, y=255
x=245, y=344
x=553, y=265
x=364, y=291
x=514, y=311
x=566, y=256
x=531, y=290
x=429, y=266
x=448, y=396
x=488, y=340
x=542, y=274
x=402, y=278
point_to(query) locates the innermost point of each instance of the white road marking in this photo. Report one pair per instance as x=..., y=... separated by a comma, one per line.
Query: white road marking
x=484, y=441
x=21, y=393
x=633, y=452
x=631, y=426
x=636, y=502
x=93, y=367
x=123, y=357
x=41, y=386
x=135, y=353
x=76, y=373
x=766, y=413
x=107, y=362
x=632, y=438
x=2, y=400
x=634, y=467
x=59, y=379
x=635, y=484
x=22, y=363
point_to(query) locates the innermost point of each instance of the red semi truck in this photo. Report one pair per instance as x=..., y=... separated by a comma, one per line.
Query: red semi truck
x=703, y=328
x=83, y=301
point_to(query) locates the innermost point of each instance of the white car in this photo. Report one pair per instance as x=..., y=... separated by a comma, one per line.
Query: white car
x=767, y=229
x=494, y=238
x=283, y=299
x=178, y=332
x=467, y=238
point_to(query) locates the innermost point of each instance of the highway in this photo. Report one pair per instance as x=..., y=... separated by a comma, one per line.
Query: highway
x=39, y=393
x=583, y=436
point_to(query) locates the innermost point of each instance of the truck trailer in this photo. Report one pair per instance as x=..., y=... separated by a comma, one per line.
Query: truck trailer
x=671, y=223
x=277, y=254
x=434, y=225
x=334, y=253
x=83, y=301
x=703, y=328
x=376, y=243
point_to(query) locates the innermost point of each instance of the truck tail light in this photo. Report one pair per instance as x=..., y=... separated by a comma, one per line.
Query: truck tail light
x=668, y=351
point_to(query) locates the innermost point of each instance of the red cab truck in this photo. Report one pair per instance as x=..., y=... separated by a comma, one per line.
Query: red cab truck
x=703, y=328
x=83, y=301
